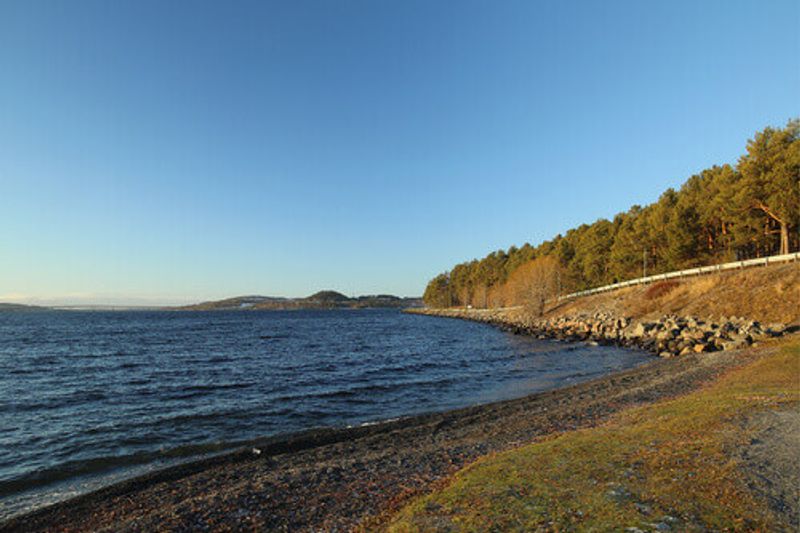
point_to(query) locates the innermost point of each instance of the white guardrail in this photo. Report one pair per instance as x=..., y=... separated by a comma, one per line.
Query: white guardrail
x=690, y=272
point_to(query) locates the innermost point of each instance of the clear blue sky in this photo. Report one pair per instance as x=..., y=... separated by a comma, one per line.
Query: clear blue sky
x=168, y=151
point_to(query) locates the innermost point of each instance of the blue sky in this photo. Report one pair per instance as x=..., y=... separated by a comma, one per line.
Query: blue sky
x=162, y=152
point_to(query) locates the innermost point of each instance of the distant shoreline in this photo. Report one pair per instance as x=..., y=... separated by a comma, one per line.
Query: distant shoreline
x=320, y=300
x=191, y=308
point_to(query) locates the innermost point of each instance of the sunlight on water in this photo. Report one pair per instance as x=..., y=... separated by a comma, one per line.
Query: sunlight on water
x=93, y=397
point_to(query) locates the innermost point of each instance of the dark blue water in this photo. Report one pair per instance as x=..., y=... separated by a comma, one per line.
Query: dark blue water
x=89, y=397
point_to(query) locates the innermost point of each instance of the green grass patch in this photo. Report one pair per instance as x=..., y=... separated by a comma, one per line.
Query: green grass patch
x=666, y=465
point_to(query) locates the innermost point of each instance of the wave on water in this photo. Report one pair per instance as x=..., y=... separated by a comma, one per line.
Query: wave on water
x=97, y=465
x=96, y=397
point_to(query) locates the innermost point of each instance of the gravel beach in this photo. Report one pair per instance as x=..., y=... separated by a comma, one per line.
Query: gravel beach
x=352, y=478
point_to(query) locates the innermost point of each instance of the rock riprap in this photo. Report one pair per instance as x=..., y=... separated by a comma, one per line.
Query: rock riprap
x=667, y=336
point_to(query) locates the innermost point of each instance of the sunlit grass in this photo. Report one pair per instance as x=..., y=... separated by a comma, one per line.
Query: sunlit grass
x=664, y=465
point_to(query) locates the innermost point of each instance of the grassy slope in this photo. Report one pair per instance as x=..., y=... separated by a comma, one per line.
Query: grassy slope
x=768, y=294
x=664, y=464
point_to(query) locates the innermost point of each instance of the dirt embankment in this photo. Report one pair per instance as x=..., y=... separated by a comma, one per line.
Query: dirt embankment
x=766, y=294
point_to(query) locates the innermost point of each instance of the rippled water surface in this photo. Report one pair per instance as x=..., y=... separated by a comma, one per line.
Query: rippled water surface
x=88, y=397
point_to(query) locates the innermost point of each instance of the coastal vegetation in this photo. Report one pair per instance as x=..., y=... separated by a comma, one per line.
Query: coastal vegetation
x=666, y=466
x=724, y=213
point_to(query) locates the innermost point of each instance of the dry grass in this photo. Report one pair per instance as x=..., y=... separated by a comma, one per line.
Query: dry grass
x=662, y=288
x=768, y=294
x=661, y=464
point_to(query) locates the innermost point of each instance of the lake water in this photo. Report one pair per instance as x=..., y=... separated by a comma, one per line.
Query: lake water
x=88, y=398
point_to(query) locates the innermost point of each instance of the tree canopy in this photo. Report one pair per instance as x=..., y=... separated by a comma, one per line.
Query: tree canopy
x=724, y=213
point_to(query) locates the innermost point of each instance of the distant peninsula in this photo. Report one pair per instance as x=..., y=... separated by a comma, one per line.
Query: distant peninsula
x=20, y=307
x=319, y=300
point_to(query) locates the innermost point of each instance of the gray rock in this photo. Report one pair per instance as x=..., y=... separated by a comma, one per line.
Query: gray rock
x=642, y=328
x=667, y=334
x=741, y=338
x=694, y=334
x=734, y=345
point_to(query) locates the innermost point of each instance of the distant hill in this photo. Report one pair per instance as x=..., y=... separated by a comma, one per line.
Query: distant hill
x=241, y=302
x=320, y=300
x=20, y=307
x=328, y=298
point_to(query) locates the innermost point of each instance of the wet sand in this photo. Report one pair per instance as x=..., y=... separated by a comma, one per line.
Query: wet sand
x=344, y=479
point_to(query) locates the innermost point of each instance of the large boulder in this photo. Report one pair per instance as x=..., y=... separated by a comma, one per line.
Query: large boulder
x=733, y=345
x=642, y=329
x=667, y=334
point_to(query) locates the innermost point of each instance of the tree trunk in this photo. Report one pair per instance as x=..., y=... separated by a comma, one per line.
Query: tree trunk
x=784, y=238
x=782, y=222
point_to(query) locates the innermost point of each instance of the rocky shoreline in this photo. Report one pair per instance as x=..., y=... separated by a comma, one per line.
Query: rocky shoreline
x=355, y=478
x=668, y=336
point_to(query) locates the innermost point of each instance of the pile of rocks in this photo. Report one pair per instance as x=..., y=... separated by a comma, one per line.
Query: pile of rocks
x=668, y=336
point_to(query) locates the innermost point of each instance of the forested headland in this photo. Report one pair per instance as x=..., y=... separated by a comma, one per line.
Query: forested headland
x=724, y=213
x=321, y=300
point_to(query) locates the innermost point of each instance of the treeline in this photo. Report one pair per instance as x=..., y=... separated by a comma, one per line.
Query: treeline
x=725, y=213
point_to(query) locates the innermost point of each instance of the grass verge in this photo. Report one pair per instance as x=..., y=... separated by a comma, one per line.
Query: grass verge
x=665, y=466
